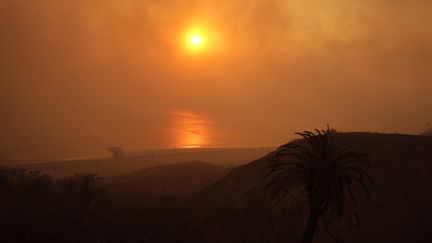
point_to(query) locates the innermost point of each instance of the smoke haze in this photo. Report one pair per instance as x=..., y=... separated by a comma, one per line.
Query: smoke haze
x=79, y=76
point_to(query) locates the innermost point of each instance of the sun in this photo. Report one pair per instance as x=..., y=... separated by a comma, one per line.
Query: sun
x=195, y=40
x=201, y=40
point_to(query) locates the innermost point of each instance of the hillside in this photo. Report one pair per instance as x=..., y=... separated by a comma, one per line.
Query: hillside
x=180, y=179
x=236, y=207
x=106, y=166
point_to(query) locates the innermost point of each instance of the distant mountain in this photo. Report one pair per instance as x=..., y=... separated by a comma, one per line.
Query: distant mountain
x=236, y=209
x=180, y=179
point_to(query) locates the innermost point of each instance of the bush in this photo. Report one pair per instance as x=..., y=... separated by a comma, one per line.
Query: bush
x=117, y=152
x=35, y=207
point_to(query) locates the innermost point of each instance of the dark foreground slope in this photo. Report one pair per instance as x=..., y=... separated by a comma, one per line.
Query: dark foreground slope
x=236, y=208
x=145, y=206
x=181, y=179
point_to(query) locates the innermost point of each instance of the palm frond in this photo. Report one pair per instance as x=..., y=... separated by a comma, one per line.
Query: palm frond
x=328, y=172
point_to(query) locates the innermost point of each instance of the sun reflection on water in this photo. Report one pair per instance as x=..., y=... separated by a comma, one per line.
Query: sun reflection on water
x=190, y=130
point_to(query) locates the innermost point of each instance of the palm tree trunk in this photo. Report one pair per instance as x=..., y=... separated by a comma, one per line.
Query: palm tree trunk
x=312, y=223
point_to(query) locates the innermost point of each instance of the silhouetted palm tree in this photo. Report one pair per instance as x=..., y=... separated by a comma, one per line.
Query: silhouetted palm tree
x=325, y=172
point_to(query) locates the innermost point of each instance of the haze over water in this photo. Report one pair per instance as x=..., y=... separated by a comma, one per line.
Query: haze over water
x=79, y=76
x=190, y=130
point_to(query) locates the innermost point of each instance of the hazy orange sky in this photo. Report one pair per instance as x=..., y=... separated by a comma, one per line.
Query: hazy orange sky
x=79, y=76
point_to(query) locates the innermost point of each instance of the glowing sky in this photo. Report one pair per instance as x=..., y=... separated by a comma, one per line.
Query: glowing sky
x=79, y=76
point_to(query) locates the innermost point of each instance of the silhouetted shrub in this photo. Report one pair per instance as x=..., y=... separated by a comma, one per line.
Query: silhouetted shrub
x=117, y=152
x=35, y=207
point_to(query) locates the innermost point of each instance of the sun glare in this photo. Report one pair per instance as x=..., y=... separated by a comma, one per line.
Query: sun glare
x=195, y=40
x=200, y=40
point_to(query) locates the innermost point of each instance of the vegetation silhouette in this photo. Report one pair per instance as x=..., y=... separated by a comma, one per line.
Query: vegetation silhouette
x=85, y=192
x=35, y=207
x=326, y=172
x=117, y=152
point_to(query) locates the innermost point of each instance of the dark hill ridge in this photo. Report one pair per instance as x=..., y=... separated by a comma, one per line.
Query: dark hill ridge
x=107, y=166
x=180, y=179
x=399, y=210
